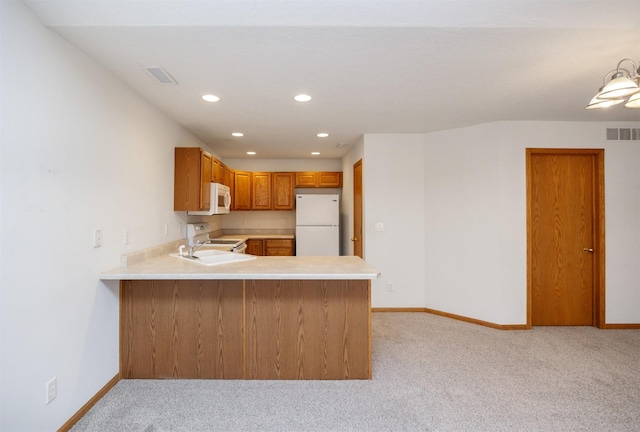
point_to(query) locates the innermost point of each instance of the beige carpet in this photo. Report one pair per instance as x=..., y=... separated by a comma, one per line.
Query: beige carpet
x=429, y=374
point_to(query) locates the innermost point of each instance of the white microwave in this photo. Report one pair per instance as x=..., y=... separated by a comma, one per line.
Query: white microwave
x=220, y=201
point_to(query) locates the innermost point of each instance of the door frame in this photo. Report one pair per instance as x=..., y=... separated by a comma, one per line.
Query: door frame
x=357, y=221
x=598, y=227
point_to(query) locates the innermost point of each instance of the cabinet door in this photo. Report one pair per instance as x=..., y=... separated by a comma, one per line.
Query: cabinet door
x=282, y=191
x=187, y=179
x=205, y=188
x=216, y=170
x=278, y=247
x=261, y=191
x=329, y=179
x=226, y=176
x=305, y=179
x=255, y=247
x=318, y=179
x=242, y=191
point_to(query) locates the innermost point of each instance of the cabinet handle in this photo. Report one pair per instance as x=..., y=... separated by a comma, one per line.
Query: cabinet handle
x=354, y=239
x=587, y=249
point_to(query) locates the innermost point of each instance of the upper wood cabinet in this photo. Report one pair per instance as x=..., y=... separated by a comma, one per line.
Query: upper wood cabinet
x=318, y=179
x=282, y=191
x=192, y=179
x=227, y=176
x=305, y=179
x=216, y=171
x=260, y=191
x=242, y=190
x=196, y=169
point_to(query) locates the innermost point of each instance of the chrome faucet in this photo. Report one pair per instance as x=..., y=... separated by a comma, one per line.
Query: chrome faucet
x=197, y=245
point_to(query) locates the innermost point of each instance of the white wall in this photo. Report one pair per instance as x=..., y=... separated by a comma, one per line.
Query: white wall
x=470, y=220
x=80, y=151
x=393, y=176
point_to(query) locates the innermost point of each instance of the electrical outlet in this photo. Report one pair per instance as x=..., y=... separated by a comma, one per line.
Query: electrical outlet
x=179, y=228
x=244, y=221
x=97, y=238
x=51, y=390
x=125, y=237
x=284, y=221
x=166, y=229
x=390, y=286
x=379, y=226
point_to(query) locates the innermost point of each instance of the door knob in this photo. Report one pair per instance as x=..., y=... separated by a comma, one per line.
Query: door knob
x=354, y=239
x=587, y=249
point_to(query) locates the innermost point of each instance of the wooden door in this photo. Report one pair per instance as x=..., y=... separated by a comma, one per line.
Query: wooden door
x=357, y=209
x=563, y=241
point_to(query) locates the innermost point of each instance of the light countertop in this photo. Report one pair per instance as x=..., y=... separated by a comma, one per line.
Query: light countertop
x=256, y=236
x=269, y=267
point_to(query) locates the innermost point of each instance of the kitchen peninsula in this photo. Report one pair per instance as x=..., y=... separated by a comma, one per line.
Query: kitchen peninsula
x=266, y=318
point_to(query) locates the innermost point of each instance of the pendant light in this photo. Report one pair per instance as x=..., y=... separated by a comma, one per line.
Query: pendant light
x=622, y=84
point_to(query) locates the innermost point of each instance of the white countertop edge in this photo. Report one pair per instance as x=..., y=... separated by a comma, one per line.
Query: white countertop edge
x=273, y=268
x=223, y=276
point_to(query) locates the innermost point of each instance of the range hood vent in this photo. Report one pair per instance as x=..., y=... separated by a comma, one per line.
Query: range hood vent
x=623, y=134
x=161, y=75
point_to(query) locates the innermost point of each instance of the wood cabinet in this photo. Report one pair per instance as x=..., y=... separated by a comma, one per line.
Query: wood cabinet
x=279, y=247
x=270, y=247
x=196, y=169
x=227, y=176
x=260, y=191
x=216, y=170
x=255, y=247
x=305, y=179
x=242, y=190
x=267, y=191
x=192, y=179
x=318, y=179
x=282, y=190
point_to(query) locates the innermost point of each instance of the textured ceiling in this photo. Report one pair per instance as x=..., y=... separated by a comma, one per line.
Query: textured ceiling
x=371, y=66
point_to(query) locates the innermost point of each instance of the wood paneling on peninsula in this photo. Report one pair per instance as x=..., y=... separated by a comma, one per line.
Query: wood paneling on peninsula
x=308, y=329
x=181, y=329
x=253, y=329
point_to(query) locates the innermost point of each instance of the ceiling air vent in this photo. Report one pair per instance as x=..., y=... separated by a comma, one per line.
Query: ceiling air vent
x=161, y=75
x=623, y=134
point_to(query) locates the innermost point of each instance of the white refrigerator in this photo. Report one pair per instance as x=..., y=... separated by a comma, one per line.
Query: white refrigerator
x=317, y=225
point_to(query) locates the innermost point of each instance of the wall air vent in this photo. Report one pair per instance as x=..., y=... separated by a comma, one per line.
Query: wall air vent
x=161, y=75
x=623, y=134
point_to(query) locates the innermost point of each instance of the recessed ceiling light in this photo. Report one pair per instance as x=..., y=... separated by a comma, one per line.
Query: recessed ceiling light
x=251, y=153
x=211, y=98
x=323, y=135
x=303, y=98
x=237, y=134
x=315, y=153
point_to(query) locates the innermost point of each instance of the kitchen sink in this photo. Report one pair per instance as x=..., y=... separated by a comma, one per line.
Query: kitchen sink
x=213, y=257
